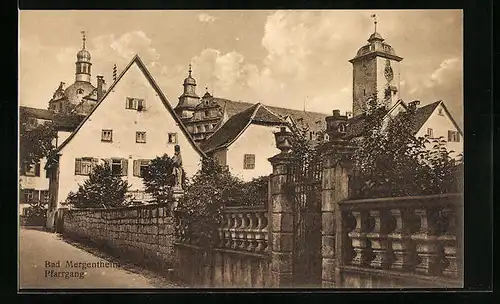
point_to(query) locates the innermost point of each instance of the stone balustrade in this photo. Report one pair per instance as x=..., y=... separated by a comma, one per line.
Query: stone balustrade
x=244, y=229
x=411, y=235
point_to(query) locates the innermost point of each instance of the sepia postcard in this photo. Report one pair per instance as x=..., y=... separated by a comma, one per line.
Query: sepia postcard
x=175, y=149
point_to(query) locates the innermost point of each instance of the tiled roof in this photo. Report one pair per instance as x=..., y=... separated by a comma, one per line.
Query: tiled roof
x=423, y=113
x=66, y=122
x=306, y=117
x=37, y=113
x=237, y=123
x=356, y=123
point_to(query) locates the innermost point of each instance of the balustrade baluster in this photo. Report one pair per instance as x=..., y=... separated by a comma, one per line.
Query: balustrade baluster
x=449, y=240
x=380, y=243
x=259, y=235
x=427, y=245
x=402, y=245
x=359, y=240
x=251, y=232
x=227, y=230
x=242, y=231
x=234, y=241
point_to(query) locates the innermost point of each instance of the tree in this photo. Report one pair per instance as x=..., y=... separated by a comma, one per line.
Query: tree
x=159, y=179
x=212, y=187
x=101, y=189
x=254, y=192
x=35, y=142
x=391, y=161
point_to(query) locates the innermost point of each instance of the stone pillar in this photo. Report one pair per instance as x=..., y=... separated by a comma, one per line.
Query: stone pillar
x=336, y=156
x=281, y=215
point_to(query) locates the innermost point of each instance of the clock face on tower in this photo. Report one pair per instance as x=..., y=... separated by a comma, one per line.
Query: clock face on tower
x=388, y=72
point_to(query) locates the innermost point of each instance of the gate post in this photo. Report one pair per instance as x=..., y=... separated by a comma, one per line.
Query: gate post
x=336, y=156
x=281, y=215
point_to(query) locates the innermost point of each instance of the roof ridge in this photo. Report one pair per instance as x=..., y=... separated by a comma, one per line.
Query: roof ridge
x=136, y=59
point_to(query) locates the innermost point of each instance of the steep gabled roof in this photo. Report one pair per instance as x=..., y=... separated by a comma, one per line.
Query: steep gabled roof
x=423, y=113
x=238, y=123
x=137, y=60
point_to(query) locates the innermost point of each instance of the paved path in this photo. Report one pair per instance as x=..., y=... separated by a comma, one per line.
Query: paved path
x=37, y=248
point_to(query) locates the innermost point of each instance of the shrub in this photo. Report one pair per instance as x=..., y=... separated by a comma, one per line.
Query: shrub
x=101, y=189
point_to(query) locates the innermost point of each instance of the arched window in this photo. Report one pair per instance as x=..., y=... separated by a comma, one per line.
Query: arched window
x=341, y=128
x=79, y=91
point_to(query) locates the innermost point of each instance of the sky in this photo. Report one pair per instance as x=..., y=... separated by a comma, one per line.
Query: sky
x=289, y=58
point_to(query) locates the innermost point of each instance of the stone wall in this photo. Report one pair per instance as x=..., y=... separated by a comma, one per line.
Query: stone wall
x=142, y=233
x=221, y=268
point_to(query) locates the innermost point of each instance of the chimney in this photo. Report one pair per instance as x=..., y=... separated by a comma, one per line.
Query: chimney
x=100, y=87
x=414, y=103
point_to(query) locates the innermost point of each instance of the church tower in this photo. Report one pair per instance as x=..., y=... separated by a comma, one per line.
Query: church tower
x=188, y=100
x=376, y=70
x=83, y=63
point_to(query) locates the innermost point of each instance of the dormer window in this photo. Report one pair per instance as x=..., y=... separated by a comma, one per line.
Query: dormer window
x=79, y=91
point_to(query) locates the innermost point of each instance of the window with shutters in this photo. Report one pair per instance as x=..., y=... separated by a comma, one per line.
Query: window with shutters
x=140, y=166
x=249, y=161
x=172, y=138
x=140, y=137
x=84, y=165
x=119, y=166
x=453, y=136
x=44, y=196
x=135, y=103
x=32, y=170
x=107, y=135
x=430, y=133
x=29, y=195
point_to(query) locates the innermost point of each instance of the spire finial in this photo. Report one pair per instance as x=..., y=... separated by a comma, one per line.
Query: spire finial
x=190, y=70
x=83, y=38
x=374, y=16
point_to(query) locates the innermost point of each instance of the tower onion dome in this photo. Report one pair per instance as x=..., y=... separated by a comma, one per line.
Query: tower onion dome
x=83, y=55
x=190, y=80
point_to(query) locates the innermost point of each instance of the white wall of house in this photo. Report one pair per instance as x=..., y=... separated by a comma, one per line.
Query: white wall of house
x=440, y=125
x=258, y=140
x=112, y=114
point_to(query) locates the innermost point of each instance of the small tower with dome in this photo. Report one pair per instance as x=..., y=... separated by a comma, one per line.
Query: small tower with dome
x=188, y=100
x=78, y=97
x=83, y=64
x=376, y=70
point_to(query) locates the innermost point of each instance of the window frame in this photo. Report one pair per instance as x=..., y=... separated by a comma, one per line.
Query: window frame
x=132, y=103
x=137, y=133
x=174, y=136
x=453, y=136
x=103, y=139
x=247, y=164
x=440, y=112
x=85, y=162
x=430, y=133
